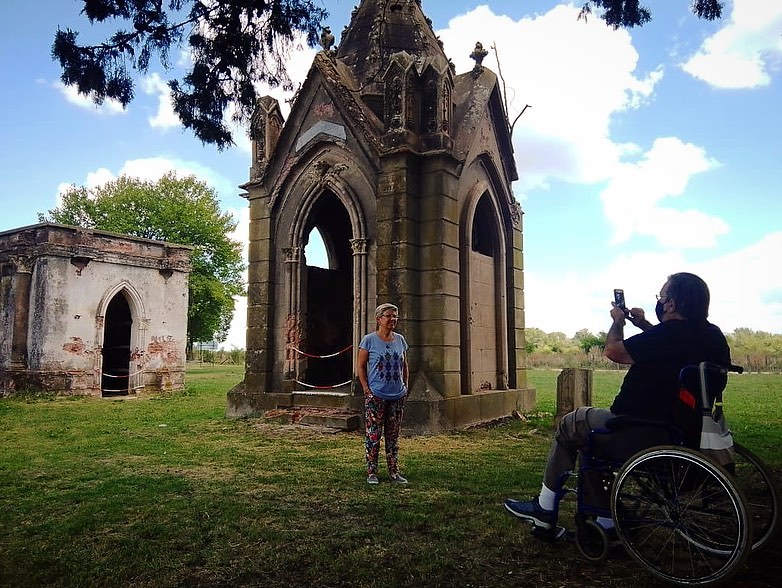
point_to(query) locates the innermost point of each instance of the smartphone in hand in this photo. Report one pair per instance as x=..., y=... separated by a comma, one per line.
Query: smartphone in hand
x=619, y=298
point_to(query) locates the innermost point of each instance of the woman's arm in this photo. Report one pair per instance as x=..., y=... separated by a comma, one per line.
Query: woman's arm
x=361, y=370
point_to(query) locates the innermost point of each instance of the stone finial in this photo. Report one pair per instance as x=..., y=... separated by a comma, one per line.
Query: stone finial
x=478, y=55
x=327, y=39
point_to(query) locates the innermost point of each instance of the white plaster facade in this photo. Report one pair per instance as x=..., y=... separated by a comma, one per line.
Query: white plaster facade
x=90, y=312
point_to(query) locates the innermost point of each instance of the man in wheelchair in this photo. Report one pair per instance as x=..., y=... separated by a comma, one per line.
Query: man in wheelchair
x=649, y=390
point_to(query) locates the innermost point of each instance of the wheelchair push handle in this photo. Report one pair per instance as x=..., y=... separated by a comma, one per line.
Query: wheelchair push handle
x=711, y=367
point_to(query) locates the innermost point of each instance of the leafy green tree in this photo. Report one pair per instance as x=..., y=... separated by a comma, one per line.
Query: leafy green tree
x=586, y=340
x=756, y=350
x=630, y=13
x=178, y=210
x=534, y=339
x=234, y=45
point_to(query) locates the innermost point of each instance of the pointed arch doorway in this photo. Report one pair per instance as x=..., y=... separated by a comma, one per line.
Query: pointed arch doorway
x=115, y=374
x=486, y=353
x=327, y=294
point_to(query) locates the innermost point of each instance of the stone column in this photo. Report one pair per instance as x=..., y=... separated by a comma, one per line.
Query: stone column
x=360, y=312
x=293, y=361
x=439, y=297
x=260, y=312
x=517, y=368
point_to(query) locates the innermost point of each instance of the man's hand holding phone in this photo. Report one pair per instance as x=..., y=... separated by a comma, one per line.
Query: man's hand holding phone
x=635, y=315
x=619, y=298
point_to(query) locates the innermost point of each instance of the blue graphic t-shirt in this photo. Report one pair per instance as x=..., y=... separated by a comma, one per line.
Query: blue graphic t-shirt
x=384, y=367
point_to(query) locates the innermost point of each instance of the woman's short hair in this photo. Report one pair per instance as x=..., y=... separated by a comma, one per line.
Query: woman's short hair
x=691, y=295
x=384, y=307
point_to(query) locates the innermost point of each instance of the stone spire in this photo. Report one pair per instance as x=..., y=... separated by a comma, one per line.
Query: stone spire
x=380, y=28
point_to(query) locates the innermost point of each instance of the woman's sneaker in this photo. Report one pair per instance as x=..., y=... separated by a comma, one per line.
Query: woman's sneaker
x=399, y=478
x=372, y=479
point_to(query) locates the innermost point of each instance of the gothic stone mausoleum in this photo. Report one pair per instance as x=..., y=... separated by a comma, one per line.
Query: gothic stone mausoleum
x=404, y=169
x=90, y=312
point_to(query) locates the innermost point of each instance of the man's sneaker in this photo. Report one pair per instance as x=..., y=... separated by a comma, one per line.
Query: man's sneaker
x=372, y=479
x=531, y=511
x=399, y=478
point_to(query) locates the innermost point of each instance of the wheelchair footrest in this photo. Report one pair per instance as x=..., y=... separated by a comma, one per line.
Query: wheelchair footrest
x=549, y=535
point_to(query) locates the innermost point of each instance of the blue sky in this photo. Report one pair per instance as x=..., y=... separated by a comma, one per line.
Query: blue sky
x=643, y=153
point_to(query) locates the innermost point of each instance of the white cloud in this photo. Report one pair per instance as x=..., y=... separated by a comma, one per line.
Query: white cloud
x=165, y=117
x=72, y=95
x=573, y=93
x=578, y=77
x=745, y=51
x=744, y=293
x=632, y=199
x=154, y=168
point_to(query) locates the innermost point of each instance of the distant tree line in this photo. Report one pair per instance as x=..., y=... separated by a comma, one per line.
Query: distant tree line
x=756, y=351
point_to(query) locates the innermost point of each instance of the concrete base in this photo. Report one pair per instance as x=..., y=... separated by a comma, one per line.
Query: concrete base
x=58, y=382
x=447, y=414
x=421, y=416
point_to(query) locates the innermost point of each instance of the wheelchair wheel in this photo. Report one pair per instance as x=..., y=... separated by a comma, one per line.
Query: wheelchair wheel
x=761, y=492
x=591, y=539
x=681, y=516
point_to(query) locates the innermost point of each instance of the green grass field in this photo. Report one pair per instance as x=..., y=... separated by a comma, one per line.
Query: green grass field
x=165, y=491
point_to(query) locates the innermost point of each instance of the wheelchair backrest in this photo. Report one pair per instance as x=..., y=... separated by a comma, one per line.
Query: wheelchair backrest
x=700, y=394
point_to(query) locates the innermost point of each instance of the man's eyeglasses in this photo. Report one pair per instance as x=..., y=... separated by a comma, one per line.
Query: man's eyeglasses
x=390, y=316
x=662, y=298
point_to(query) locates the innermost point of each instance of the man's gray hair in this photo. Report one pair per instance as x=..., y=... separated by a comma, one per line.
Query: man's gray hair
x=384, y=307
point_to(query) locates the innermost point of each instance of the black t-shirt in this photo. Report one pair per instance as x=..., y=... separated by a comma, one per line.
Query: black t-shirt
x=650, y=387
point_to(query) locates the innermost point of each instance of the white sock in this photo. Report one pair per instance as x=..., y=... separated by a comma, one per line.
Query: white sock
x=547, y=498
x=605, y=522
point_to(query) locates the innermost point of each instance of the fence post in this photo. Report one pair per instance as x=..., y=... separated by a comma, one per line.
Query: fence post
x=574, y=389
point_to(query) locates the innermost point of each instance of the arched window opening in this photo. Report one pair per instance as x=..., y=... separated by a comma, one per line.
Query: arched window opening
x=483, y=228
x=315, y=251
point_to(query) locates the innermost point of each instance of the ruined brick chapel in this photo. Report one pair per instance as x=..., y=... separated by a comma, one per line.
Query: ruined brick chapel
x=404, y=168
x=90, y=312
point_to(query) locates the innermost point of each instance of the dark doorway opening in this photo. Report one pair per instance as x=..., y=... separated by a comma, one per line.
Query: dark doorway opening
x=116, y=347
x=329, y=318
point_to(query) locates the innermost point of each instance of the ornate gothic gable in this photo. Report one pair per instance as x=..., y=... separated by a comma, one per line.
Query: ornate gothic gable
x=477, y=102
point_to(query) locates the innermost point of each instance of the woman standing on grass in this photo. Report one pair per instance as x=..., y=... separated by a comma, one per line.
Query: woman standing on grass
x=383, y=374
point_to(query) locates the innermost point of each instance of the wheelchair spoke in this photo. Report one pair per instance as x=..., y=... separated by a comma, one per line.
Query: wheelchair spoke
x=679, y=515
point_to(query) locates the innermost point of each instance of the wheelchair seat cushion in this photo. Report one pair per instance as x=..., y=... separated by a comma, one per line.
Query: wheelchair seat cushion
x=624, y=436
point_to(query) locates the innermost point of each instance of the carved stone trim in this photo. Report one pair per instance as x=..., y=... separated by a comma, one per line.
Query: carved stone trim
x=515, y=213
x=292, y=254
x=322, y=171
x=359, y=246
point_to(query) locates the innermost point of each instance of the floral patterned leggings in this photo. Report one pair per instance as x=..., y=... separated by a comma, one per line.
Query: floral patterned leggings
x=380, y=414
